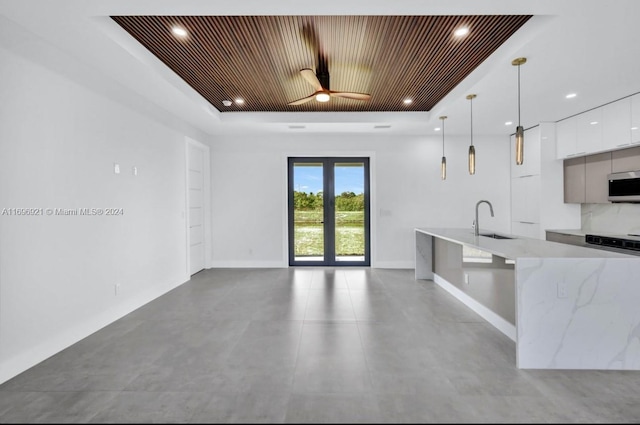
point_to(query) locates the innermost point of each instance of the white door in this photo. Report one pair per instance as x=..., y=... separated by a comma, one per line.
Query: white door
x=195, y=186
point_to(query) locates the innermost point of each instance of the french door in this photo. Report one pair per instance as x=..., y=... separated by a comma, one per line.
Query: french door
x=329, y=211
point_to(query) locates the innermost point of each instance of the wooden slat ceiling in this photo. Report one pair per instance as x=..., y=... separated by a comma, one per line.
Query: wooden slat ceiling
x=259, y=58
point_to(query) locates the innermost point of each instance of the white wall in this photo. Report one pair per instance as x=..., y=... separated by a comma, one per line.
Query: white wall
x=58, y=143
x=249, y=191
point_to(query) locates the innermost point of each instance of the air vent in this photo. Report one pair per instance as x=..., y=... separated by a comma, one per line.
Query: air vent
x=297, y=127
x=382, y=126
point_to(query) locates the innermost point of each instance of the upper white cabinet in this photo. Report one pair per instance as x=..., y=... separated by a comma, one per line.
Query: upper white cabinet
x=589, y=131
x=635, y=119
x=616, y=124
x=566, y=138
x=601, y=129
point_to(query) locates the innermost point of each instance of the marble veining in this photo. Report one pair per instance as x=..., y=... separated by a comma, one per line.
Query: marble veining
x=614, y=218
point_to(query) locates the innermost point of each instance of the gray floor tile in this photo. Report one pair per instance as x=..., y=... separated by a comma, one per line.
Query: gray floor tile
x=248, y=407
x=152, y=407
x=333, y=408
x=307, y=344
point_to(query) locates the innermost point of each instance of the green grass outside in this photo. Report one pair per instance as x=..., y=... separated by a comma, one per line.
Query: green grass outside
x=309, y=236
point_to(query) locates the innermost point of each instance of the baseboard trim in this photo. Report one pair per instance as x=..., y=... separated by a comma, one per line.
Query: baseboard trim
x=393, y=265
x=248, y=264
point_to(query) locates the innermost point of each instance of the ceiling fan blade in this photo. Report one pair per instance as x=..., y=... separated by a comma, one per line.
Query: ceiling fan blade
x=350, y=95
x=310, y=76
x=303, y=100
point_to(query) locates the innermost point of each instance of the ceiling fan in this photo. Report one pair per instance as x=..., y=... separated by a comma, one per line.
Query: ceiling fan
x=320, y=83
x=320, y=79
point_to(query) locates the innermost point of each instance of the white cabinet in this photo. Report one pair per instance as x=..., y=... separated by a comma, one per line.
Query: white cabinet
x=613, y=126
x=616, y=124
x=589, y=131
x=528, y=230
x=525, y=199
x=566, y=138
x=536, y=191
x=635, y=119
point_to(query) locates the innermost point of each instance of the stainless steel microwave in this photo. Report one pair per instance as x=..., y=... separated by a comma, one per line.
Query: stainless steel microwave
x=624, y=187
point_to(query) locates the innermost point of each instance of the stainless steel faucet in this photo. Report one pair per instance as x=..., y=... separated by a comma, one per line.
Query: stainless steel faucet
x=475, y=224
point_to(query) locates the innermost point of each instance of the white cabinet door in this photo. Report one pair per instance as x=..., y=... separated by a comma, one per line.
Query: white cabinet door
x=525, y=199
x=533, y=195
x=566, y=138
x=635, y=119
x=528, y=230
x=616, y=124
x=589, y=131
x=518, y=199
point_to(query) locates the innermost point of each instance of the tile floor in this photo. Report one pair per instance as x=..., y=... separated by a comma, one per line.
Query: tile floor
x=307, y=345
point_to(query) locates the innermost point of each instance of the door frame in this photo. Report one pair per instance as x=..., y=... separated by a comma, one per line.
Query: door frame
x=370, y=155
x=206, y=192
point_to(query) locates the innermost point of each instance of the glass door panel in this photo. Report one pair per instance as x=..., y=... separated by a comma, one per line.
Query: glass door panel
x=349, y=211
x=308, y=211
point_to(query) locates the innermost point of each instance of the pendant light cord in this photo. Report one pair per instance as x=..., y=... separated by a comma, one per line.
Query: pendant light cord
x=442, y=136
x=471, y=103
x=518, y=95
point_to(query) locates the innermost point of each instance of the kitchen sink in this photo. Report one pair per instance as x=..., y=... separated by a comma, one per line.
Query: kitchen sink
x=495, y=236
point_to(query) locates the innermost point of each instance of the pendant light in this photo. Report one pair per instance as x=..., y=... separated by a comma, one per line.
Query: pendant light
x=472, y=149
x=519, y=130
x=443, y=164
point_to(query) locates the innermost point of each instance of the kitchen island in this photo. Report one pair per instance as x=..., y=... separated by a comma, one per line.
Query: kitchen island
x=565, y=306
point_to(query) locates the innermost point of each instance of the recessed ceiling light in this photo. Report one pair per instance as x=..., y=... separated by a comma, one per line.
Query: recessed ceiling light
x=462, y=31
x=508, y=123
x=571, y=95
x=593, y=122
x=634, y=128
x=239, y=101
x=179, y=31
x=436, y=129
x=227, y=102
x=407, y=101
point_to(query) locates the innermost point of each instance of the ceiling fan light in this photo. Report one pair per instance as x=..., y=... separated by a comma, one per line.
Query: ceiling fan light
x=323, y=97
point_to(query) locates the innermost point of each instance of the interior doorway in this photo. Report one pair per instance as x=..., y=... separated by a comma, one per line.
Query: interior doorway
x=328, y=209
x=198, y=206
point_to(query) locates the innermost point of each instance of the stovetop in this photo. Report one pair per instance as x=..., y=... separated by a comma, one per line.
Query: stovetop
x=630, y=241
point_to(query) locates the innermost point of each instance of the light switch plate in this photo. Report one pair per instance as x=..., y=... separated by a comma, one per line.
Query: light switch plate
x=116, y=168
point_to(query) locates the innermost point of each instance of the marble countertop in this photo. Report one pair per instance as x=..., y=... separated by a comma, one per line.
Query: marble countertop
x=519, y=247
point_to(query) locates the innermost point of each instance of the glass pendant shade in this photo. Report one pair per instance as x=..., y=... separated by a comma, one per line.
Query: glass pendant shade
x=472, y=160
x=519, y=145
x=472, y=149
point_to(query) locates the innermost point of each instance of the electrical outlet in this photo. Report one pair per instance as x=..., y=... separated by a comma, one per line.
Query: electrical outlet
x=116, y=289
x=466, y=278
x=562, y=290
x=116, y=168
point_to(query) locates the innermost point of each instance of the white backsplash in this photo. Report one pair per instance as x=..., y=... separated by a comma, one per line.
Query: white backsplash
x=617, y=219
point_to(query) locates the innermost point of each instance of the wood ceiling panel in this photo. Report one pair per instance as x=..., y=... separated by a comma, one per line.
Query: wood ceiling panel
x=259, y=58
